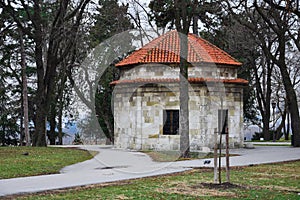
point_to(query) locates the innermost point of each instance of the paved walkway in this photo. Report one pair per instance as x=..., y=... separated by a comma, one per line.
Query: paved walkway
x=114, y=165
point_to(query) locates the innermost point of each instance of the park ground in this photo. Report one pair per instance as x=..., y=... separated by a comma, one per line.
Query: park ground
x=264, y=181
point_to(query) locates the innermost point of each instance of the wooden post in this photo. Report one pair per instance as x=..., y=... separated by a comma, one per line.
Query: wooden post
x=220, y=156
x=220, y=144
x=227, y=157
x=216, y=156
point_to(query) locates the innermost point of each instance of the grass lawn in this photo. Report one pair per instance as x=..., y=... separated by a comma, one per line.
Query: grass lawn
x=272, y=181
x=40, y=160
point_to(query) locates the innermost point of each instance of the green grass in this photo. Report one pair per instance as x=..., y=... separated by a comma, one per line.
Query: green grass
x=273, y=181
x=41, y=160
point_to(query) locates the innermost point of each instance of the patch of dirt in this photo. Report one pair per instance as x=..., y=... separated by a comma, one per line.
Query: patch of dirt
x=196, y=190
x=223, y=186
x=282, y=188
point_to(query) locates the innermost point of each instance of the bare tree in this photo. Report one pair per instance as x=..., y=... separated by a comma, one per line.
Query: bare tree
x=260, y=64
x=279, y=22
x=142, y=20
x=282, y=24
x=47, y=34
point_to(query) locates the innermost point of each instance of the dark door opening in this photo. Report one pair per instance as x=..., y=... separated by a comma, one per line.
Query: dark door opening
x=171, y=122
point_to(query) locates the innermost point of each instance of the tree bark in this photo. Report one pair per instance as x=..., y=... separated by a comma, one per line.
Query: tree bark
x=110, y=130
x=182, y=23
x=184, y=98
x=39, y=135
x=24, y=94
x=52, y=122
x=60, y=115
x=292, y=104
x=288, y=125
x=290, y=92
x=195, y=18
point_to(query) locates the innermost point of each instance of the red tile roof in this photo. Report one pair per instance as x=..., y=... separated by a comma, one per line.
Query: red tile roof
x=238, y=81
x=166, y=49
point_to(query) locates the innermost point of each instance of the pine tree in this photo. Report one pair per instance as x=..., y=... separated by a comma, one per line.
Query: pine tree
x=111, y=19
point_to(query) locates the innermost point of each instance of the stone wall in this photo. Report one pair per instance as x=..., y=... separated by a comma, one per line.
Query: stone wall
x=172, y=71
x=138, y=108
x=138, y=112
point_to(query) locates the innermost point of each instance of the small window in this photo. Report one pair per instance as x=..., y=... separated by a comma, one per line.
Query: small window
x=223, y=121
x=171, y=122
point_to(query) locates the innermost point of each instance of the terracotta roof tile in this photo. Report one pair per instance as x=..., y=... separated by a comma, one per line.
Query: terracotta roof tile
x=166, y=49
x=238, y=81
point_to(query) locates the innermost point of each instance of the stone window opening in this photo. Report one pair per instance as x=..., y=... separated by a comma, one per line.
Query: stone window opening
x=171, y=122
x=223, y=121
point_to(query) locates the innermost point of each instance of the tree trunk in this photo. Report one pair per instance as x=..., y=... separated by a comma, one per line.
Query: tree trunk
x=60, y=133
x=24, y=92
x=291, y=96
x=39, y=137
x=266, y=128
x=295, y=119
x=195, y=18
x=294, y=110
x=52, y=122
x=22, y=135
x=184, y=98
x=195, y=25
x=60, y=101
x=110, y=130
x=182, y=23
x=264, y=95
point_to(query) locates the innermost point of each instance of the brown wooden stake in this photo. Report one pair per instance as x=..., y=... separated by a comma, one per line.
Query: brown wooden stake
x=216, y=156
x=227, y=158
x=220, y=144
x=220, y=155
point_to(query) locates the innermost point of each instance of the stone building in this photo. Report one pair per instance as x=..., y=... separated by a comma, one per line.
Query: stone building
x=146, y=97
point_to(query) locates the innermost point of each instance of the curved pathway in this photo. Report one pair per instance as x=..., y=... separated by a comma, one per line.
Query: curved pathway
x=114, y=165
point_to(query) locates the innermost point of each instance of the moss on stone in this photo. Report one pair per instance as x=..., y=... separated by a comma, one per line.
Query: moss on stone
x=153, y=136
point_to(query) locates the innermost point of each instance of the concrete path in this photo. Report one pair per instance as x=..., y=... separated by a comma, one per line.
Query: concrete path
x=114, y=165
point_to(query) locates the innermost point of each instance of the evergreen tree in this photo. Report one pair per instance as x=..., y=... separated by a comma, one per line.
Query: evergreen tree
x=111, y=19
x=9, y=129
